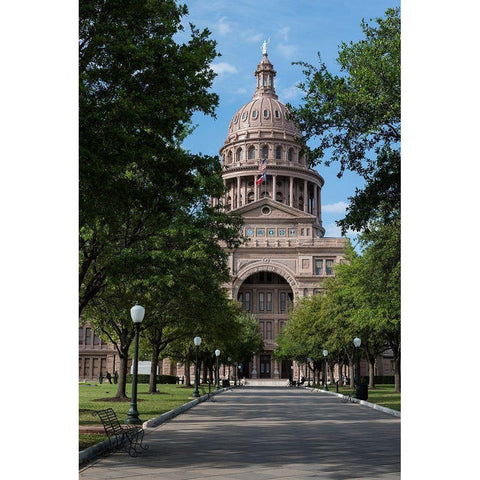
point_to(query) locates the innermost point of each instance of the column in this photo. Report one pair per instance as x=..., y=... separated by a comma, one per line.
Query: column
x=254, y=367
x=255, y=189
x=305, y=196
x=316, y=200
x=320, y=204
x=238, y=191
x=274, y=188
x=291, y=192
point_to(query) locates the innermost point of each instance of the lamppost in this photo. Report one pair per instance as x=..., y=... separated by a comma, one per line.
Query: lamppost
x=197, y=341
x=357, y=342
x=235, y=365
x=217, y=382
x=325, y=353
x=228, y=360
x=308, y=366
x=137, y=312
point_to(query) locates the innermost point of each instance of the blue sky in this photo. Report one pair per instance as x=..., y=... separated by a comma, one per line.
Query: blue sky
x=297, y=30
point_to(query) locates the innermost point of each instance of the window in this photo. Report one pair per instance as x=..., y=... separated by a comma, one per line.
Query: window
x=277, y=114
x=292, y=232
x=268, y=332
x=240, y=155
x=283, y=301
x=229, y=157
x=278, y=152
x=247, y=302
x=88, y=336
x=240, y=298
x=249, y=232
x=271, y=232
x=281, y=324
x=250, y=197
x=266, y=114
x=269, y=301
x=261, y=301
x=80, y=336
x=290, y=154
x=281, y=232
x=254, y=114
x=96, y=339
x=318, y=266
x=260, y=232
x=329, y=267
x=244, y=116
x=261, y=327
x=265, y=151
x=305, y=292
x=251, y=153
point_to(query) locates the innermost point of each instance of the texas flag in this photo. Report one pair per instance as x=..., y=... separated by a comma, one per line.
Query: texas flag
x=262, y=179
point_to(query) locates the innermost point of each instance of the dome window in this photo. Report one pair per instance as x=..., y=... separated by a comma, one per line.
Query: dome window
x=278, y=152
x=240, y=155
x=265, y=151
x=244, y=116
x=229, y=157
x=266, y=114
x=277, y=114
x=251, y=153
x=235, y=120
x=290, y=154
x=254, y=114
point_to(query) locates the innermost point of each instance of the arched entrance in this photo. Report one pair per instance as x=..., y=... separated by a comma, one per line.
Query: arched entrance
x=267, y=295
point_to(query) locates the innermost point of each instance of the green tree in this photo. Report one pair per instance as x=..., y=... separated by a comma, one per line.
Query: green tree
x=354, y=118
x=139, y=88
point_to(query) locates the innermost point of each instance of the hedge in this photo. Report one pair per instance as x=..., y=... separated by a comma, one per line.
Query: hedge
x=379, y=379
x=144, y=378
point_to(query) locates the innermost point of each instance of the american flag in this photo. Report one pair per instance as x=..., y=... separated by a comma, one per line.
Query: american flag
x=262, y=166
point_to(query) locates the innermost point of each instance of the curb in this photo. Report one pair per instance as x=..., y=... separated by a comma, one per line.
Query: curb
x=95, y=451
x=395, y=413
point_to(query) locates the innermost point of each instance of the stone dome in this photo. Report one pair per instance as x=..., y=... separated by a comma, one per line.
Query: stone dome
x=264, y=112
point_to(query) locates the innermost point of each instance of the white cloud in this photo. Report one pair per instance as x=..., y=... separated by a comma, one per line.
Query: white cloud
x=289, y=93
x=332, y=230
x=284, y=33
x=223, y=68
x=251, y=37
x=223, y=26
x=241, y=91
x=288, y=51
x=339, y=207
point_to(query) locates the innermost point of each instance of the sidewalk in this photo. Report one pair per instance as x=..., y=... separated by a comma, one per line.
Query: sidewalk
x=264, y=433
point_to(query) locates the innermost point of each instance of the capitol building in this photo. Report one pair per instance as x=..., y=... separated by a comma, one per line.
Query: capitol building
x=269, y=182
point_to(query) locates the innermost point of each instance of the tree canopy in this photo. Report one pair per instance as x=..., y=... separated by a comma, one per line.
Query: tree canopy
x=354, y=118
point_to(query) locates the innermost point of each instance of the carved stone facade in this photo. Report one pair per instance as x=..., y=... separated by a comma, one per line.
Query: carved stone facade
x=287, y=255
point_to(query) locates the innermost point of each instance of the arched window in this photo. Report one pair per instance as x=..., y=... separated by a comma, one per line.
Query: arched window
x=229, y=157
x=251, y=153
x=265, y=151
x=290, y=154
x=278, y=152
x=240, y=155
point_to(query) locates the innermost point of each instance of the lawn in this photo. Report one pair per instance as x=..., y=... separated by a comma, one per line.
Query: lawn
x=95, y=396
x=383, y=395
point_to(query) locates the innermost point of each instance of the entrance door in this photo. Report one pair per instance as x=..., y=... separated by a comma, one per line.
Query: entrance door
x=265, y=366
x=286, y=368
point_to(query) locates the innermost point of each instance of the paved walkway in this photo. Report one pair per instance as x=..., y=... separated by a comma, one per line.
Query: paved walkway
x=261, y=434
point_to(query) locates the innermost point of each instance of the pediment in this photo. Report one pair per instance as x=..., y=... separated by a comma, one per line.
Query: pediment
x=277, y=210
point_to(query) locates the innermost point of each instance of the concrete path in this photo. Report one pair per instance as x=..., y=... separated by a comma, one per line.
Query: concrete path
x=265, y=433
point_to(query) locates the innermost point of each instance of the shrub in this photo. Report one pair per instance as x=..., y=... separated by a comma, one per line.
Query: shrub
x=144, y=378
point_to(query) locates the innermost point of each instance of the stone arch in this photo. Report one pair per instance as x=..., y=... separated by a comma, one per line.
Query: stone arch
x=265, y=265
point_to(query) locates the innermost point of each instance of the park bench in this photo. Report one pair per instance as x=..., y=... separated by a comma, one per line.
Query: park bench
x=118, y=434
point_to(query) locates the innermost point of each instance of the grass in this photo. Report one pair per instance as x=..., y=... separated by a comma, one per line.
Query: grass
x=95, y=396
x=383, y=395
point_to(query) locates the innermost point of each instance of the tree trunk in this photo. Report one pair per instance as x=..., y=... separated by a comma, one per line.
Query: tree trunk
x=122, y=375
x=397, y=373
x=152, y=381
x=350, y=371
x=188, y=382
x=371, y=373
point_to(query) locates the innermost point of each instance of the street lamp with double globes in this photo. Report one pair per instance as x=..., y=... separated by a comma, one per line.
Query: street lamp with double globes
x=137, y=312
x=308, y=366
x=325, y=353
x=357, y=342
x=197, y=341
x=217, y=380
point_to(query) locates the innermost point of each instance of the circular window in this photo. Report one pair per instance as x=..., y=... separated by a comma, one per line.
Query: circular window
x=266, y=211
